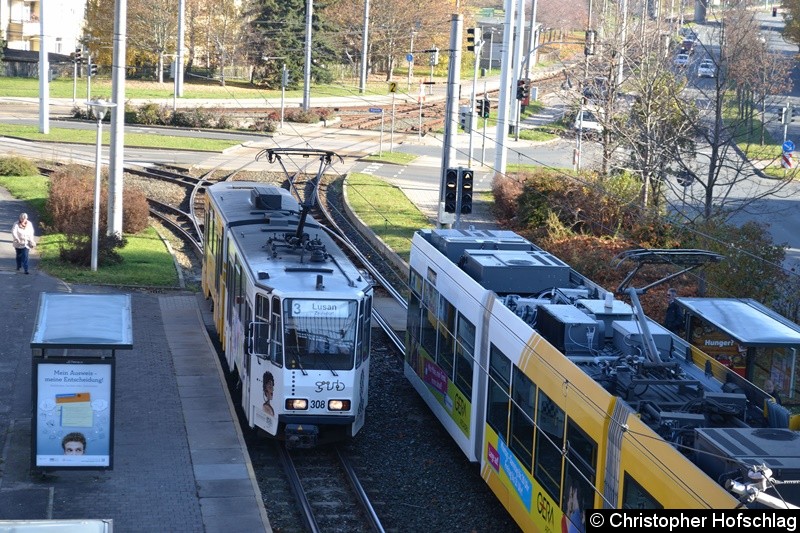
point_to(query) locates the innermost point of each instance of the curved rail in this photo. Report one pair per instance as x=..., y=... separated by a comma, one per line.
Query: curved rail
x=177, y=220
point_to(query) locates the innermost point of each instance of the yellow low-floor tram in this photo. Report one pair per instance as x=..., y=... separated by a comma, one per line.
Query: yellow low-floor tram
x=571, y=399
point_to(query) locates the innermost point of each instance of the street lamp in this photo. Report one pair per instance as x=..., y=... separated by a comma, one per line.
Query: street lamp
x=99, y=108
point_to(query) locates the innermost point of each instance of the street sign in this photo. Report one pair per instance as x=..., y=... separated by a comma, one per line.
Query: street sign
x=409, y=57
x=787, y=161
x=788, y=146
x=392, y=86
x=375, y=110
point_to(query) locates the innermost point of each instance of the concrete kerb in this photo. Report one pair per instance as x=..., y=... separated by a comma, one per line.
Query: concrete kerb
x=374, y=239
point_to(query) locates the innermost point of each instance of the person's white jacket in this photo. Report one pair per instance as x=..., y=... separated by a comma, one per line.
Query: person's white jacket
x=23, y=236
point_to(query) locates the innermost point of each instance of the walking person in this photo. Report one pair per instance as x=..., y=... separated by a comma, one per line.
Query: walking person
x=23, y=236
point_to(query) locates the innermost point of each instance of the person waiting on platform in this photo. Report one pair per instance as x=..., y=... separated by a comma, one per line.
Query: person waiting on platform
x=74, y=444
x=674, y=319
x=23, y=236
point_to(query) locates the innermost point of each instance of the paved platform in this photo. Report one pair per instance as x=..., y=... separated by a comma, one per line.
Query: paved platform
x=179, y=458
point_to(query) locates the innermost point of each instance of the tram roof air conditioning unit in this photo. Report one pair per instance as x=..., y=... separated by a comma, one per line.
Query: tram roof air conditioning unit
x=515, y=272
x=272, y=198
x=453, y=242
x=569, y=329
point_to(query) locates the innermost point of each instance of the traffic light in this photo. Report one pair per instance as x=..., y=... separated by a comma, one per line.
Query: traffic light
x=591, y=36
x=466, y=191
x=285, y=78
x=435, y=57
x=450, y=189
x=78, y=55
x=470, y=39
x=523, y=90
x=465, y=118
x=483, y=108
x=93, y=69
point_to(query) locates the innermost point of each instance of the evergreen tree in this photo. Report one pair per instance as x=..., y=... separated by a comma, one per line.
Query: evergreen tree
x=279, y=35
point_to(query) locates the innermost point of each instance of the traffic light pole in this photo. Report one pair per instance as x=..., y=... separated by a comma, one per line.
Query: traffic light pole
x=88, y=77
x=474, y=121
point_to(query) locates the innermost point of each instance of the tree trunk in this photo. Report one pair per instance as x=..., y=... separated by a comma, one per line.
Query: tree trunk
x=160, y=67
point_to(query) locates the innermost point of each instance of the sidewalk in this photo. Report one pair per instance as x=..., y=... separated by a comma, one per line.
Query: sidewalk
x=179, y=461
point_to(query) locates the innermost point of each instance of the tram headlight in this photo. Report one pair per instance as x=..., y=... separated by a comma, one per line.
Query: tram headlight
x=296, y=404
x=338, y=405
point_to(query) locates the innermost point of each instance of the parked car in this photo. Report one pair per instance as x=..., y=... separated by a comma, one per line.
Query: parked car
x=589, y=119
x=682, y=60
x=706, y=69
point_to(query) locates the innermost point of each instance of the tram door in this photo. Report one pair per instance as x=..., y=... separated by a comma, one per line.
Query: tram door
x=266, y=360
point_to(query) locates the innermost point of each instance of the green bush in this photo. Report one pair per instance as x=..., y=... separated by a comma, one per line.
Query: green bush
x=153, y=114
x=17, y=166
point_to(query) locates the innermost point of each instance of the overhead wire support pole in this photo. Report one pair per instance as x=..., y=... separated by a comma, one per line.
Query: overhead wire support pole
x=116, y=154
x=362, y=86
x=44, y=76
x=451, y=106
x=307, y=73
x=501, y=140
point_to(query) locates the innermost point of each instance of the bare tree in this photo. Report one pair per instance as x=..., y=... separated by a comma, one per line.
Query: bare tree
x=152, y=28
x=724, y=178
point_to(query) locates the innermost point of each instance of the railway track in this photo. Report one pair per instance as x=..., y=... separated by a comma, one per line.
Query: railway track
x=180, y=222
x=319, y=480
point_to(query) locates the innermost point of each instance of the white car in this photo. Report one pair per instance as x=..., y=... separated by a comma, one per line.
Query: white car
x=589, y=119
x=682, y=60
x=706, y=69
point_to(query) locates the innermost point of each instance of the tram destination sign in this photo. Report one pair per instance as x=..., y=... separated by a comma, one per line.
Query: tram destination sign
x=320, y=309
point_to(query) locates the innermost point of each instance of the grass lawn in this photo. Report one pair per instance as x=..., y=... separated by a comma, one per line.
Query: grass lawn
x=193, y=88
x=384, y=208
x=146, y=260
x=397, y=158
x=140, y=140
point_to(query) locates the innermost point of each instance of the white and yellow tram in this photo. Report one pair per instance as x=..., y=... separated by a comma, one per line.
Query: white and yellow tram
x=542, y=377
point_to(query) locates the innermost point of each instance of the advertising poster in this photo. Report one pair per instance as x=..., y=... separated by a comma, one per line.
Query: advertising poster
x=73, y=414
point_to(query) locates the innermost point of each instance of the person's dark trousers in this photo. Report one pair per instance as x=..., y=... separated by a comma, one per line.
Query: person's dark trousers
x=22, y=259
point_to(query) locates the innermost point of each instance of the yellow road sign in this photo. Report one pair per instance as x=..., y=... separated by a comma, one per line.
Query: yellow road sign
x=392, y=86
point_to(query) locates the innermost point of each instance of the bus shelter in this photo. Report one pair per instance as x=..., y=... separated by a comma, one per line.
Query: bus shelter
x=74, y=344
x=751, y=339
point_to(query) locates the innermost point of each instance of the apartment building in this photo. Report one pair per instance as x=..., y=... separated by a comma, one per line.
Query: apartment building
x=20, y=24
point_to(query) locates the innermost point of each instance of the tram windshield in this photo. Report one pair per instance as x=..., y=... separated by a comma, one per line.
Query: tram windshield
x=320, y=334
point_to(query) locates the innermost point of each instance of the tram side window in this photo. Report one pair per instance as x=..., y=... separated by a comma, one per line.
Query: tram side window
x=261, y=327
x=362, y=352
x=499, y=392
x=465, y=351
x=430, y=311
x=580, y=474
x=635, y=497
x=446, y=329
x=276, y=333
x=549, y=443
x=523, y=393
x=414, y=308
